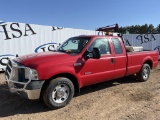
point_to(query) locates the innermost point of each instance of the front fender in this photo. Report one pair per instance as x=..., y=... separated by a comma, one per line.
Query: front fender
x=47, y=74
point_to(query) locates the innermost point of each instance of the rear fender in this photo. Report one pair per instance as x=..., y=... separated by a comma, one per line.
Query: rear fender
x=148, y=60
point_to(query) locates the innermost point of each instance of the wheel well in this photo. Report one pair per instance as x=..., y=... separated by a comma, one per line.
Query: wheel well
x=149, y=62
x=67, y=75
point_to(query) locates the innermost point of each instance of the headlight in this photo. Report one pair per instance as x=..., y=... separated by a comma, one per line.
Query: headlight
x=33, y=74
x=14, y=64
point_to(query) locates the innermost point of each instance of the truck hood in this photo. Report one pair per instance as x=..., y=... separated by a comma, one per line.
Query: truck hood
x=32, y=60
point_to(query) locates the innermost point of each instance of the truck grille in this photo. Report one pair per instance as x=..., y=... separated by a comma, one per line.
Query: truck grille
x=15, y=75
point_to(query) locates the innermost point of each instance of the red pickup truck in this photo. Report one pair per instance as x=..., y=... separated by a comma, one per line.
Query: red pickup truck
x=78, y=62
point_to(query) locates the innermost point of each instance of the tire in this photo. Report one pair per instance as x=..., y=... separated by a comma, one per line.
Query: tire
x=144, y=73
x=58, y=93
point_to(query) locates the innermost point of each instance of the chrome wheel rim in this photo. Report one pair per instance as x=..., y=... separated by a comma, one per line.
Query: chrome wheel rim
x=60, y=93
x=145, y=73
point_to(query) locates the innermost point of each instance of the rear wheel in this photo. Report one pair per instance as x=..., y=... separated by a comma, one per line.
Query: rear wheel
x=58, y=93
x=144, y=73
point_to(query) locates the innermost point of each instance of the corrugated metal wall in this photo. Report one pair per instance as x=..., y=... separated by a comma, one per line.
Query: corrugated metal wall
x=148, y=41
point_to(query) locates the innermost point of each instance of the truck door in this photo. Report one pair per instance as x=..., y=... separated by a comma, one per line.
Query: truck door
x=98, y=70
x=120, y=59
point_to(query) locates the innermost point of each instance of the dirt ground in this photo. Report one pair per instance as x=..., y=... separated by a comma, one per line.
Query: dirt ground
x=120, y=99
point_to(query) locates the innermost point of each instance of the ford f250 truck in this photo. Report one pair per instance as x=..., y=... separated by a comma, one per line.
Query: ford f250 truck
x=80, y=61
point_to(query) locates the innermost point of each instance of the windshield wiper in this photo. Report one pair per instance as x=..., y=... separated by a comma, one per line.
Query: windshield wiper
x=61, y=51
x=67, y=51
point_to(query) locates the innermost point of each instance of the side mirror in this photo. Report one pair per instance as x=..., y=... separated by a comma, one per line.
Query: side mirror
x=95, y=54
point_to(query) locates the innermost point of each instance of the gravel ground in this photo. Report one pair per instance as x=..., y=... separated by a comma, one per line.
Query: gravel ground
x=120, y=99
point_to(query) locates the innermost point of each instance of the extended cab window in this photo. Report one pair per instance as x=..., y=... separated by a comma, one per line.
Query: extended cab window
x=102, y=44
x=117, y=46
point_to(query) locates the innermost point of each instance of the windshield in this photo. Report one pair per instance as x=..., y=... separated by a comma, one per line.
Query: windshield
x=74, y=45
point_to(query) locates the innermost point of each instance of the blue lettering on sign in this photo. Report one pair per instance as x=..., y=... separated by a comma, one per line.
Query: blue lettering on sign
x=127, y=43
x=56, y=28
x=4, y=59
x=6, y=55
x=2, y=22
x=146, y=38
x=46, y=47
x=15, y=27
x=157, y=48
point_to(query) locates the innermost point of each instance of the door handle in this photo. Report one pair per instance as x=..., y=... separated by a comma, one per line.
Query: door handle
x=112, y=60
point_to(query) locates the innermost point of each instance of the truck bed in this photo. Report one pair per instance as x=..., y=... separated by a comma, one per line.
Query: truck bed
x=136, y=59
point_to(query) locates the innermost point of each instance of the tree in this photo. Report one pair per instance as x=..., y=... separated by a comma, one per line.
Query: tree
x=158, y=29
x=143, y=29
x=151, y=29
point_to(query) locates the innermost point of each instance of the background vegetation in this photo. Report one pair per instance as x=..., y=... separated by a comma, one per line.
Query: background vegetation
x=140, y=29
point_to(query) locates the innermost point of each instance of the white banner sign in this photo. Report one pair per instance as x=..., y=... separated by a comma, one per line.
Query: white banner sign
x=21, y=39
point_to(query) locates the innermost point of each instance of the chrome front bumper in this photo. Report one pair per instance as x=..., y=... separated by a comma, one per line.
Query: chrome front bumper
x=15, y=78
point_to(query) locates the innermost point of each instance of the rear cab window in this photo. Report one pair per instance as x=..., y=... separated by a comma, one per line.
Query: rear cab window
x=117, y=46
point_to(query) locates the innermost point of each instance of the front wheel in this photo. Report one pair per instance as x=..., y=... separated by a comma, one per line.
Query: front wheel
x=144, y=73
x=58, y=93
